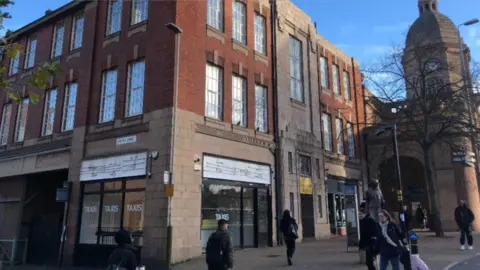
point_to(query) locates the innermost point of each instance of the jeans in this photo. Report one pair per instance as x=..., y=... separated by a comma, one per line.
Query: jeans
x=290, y=247
x=370, y=258
x=468, y=232
x=393, y=260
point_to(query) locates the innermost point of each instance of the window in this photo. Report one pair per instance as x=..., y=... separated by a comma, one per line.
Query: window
x=336, y=86
x=139, y=11
x=305, y=165
x=339, y=130
x=110, y=206
x=69, y=102
x=327, y=132
x=324, y=72
x=239, y=22
x=215, y=14
x=213, y=92
x=261, y=113
x=317, y=167
x=320, y=206
x=346, y=85
x=57, y=44
x=114, y=19
x=296, y=81
x=77, y=31
x=239, y=91
x=49, y=112
x=292, y=204
x=21, y=120
x=290, y=162
x=109, y=91
x=30, y=55
x=136, y=80
x=13, y=68
x=351, y=140
x=260, y=34
x=5, y=125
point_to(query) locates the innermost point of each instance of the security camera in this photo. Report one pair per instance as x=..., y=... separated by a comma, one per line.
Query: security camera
x=154, y=155
x=196, y=158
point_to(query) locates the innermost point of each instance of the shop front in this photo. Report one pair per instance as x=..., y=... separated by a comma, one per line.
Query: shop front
x=238, y=191
x=342, y=203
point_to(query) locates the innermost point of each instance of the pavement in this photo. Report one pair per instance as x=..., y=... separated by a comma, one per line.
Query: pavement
x=471, y=264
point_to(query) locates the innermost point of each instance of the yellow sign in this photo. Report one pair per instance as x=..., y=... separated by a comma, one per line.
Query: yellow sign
x=306, y=186
x=169, y=190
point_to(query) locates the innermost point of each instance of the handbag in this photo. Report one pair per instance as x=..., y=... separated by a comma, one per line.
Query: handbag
x=292, y=231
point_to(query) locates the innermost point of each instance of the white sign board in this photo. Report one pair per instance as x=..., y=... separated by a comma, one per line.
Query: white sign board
x=114, y=167
x=126, y=140
x=234, y=170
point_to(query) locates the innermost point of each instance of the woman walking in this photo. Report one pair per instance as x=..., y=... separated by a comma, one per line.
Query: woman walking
x=123, y=256
x=389, y=242
x=289, y=227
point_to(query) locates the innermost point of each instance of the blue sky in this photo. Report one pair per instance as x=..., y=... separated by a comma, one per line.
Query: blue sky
x=365, y=29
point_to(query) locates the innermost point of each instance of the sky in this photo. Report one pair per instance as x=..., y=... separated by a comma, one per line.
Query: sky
x=364, y=29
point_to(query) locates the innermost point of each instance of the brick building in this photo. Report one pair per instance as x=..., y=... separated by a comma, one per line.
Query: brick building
x=105, y=126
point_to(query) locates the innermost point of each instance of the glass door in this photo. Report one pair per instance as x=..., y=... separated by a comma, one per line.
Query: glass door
x=262, y=217
x=331, y=213
x=248, y=214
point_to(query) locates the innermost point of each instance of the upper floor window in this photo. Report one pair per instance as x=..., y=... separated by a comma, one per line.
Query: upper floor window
x=69, y=102
x=30, y=53
x=77, y=31
x=261, y=112
x=327, y=132
x=346, y=85
x=351, y=140
x=139, y=11
x=336, y=80
x=305, y=164
x=49, y=112
x=5, y=125
x=57, y=44
x=260, y=34
x=114, y=19
x=215, y=14
x=324, y=72
x=239, y=22
x=13, y=67
x=109, y=91
x=239, y=93
x=296, y=80
x=21, y=120
x=136, y=80
x=213, y=91
x=339, y=130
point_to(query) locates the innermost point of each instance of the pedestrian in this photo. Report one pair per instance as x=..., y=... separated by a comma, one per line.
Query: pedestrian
x=420, y=216
x=123, y=256
x=464, y=218
x=407, y=220
x=389, y=242
x=368, y=236
x=289, y=228
x=374, y=198
x=219, y=250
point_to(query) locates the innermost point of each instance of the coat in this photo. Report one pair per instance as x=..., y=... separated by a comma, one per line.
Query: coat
x=224, y=238
x=123, y=256
x=464, y=217
x=386, y=249
x=368, y=232
x=284, y=227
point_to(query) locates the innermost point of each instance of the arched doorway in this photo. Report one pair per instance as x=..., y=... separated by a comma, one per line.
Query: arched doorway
x=414, y=186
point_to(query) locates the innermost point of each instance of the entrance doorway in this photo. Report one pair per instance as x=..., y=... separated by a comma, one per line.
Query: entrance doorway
x=308, y=216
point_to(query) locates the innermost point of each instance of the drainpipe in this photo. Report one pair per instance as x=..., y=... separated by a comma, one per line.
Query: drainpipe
x=356, y=113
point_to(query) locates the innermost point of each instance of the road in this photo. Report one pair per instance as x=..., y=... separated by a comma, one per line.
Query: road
x=470, y=264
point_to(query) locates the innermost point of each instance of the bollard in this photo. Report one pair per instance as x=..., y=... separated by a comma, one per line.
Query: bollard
x=414, y=245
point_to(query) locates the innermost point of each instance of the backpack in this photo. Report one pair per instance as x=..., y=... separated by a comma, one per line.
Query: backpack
x=214, y=249
x=292, y=230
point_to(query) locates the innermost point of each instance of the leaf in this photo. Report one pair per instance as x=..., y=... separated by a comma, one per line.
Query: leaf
x=34, y=98
x=13, y=49
x=15, y=96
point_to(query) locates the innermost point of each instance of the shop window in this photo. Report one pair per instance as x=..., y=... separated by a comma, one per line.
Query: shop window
x=305, y=165
x=111, y=217
x=89, y=222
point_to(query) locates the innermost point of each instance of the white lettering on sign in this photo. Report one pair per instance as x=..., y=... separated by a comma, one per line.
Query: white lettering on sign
x=134, y=207
x=222, y=216
x=111, y=208
x=126, y=140
x=90, y=209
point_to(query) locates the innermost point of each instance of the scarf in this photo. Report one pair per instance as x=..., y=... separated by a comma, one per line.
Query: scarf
x=384, y=227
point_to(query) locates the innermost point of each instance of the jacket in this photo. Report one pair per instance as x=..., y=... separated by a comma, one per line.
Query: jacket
x=123, y=256
x=386, y=249
x=368, y=232
x=464, y=216
x=224, y=238
x=285, y=225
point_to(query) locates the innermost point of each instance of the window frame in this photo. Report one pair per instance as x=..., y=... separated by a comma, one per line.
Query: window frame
x=217, y=20
x=13, y=66
x=324, y=74
x=263, y=111
x=5, y=123
x=109, y=26
x=297, y=61
x=260, y=33
x=336, y=80
x=28, y=52
x=47, y=110
x=327, y=140
x=236, y=101
x=239, y=25
x=66, y=106
x=101, y=113
x=76, y=17
x=19, y=124
x=133, y=15
x=351, y=140
x=346, y=85
x=340, y=140
x=305, y=165
x=290, y=163
x=56, y=40
x=219, y=92
x=129, y=91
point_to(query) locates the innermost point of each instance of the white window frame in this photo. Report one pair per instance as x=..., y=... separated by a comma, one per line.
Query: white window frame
x=351, y=140
x=327, y=132
x=239, y=18
x=261, y=110
x=239, y=102
x=260, y=34
x=57, y=41
x=114, y=20
x=5, y=124
x=215, y=14
x=14, y=62
x=296, y=68
x=108, y=97
x=336, y=79
x=340, y=138
x=139, y=11
x=135, y=94
x=324, y=72
x=48, y=121
x=30, y=52
x=69, y=102
x=346, y=85
x=77, y=31
x=214, y=91
x=21, y=120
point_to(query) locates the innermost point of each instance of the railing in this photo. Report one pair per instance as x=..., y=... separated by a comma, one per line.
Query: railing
x=13, y=251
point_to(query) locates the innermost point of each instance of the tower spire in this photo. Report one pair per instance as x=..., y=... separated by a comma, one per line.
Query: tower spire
x=427, y=5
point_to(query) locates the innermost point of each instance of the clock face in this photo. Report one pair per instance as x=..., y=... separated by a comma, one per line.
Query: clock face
x=433, y=65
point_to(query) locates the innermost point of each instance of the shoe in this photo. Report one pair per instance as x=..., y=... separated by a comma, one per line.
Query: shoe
x=462, y=247
x=290, y=261
x=470, y=247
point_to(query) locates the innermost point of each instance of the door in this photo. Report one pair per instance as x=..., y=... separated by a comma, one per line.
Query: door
x=262, y=217
x=308, y=216
x=248, y=218
x=44, y=239
x=332, y=213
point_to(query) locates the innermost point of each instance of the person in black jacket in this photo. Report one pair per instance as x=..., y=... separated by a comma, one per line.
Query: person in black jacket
x=464, y=218
x=289, y=227
x=368, y=236
x=219, y=251
x=123, y=255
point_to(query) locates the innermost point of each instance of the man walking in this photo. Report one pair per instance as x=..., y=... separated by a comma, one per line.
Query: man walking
x=464, y=218
x=368, y=234
x=219, y=251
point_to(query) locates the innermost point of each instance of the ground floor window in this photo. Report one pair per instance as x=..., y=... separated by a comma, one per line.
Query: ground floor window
x=109, y=206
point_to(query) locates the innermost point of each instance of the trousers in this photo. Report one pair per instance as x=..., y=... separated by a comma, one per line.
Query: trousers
x=468, y=233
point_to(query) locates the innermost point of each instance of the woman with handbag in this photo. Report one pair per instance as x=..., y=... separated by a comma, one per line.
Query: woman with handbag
x=289, y=228
x=390, y=244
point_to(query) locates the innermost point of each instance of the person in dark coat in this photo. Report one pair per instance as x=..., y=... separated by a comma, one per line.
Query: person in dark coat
x=289, y=228
x=420, y=216
x=219, y=251
x=464, y=218
x=389, y=241
x=123, y=256
x=368, y=236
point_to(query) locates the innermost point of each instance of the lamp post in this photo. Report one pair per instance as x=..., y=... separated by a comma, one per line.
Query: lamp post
x=393, y=129
x=177, y=31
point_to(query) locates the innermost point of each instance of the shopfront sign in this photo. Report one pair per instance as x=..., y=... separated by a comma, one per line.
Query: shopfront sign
x=114, y=167
x=306, y=186
x=235, y=170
